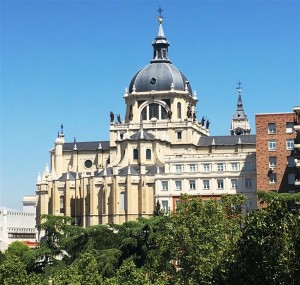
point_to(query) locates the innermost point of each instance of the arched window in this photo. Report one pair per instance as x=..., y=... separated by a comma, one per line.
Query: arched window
x=135, y=154
x=179, y=110
x=154, y=110
x=148, y=153
x=62, y=204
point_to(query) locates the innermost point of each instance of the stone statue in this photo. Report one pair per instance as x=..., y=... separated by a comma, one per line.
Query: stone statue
x=202, y=121
x=189, y=111
x=207, y=124
x=194, y=116
x=112, y=117
x=119, y=119
x=170, y=114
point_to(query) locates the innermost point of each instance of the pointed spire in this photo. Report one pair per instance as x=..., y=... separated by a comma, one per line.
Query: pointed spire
x=240, y=124
x=77, y=176
x=47, y=169
x=129, y=170
x=105, y=172
x=100, y=145
x=68, y=176
x=160, y=44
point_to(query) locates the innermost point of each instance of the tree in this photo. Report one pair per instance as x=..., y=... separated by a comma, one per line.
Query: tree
x=197, y=238
x=12, y=271
x=268, y=250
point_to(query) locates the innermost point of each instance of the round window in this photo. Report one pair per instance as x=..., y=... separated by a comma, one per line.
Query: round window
x=88, y=163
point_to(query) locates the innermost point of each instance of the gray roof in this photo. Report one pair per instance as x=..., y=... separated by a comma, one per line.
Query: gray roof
x=109, y=172
x=227, y=140
x=81, y=146
x=164, y=75
x=146, y=136
x=72, y=176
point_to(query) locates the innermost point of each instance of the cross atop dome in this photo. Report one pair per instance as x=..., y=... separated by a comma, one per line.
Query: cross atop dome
x=160, y=17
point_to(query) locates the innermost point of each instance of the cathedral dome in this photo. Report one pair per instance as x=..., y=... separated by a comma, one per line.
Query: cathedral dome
x=159, y=76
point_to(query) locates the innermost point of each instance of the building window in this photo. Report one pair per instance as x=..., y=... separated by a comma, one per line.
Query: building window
x=192, y=167
x=178, y=185
x=153, y=111
x=271, y=128
x=165, y=205
x=220, y=183
x=234, y=166
x=290, y=161
x=206, y=167
x=289, y=144
x=178, y=168
x=62, y=204
x=88, y=163
x=179, y=135
x=192, y=184
x=272, y=178
x=123, y=201
x=248, y=183
x=272, y=145
x=220, y=166
x=289, y=127
x=179, y=110
x=165, y=185
x=291, y=178
x=135, y=153
x=248, y=166
x=206, y=184
x=148, y=153
x=234, y=183
x=272, y=161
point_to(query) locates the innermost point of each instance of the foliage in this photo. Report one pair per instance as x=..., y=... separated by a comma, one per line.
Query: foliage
x=268, y=196
x=12, y=271
x=203, y=242
x=268, y=250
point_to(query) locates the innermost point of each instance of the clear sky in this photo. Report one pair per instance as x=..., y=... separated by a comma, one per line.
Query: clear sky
x=70, y=61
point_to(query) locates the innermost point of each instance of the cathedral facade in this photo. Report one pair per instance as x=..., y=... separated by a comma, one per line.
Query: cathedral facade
x=158, y=152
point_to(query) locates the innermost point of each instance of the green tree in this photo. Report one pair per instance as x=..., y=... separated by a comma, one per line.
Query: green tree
x=268, y=250
x=197, y=238
x=12, y=271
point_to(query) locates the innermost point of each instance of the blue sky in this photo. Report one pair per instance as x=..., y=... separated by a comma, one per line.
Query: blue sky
x=70, y=61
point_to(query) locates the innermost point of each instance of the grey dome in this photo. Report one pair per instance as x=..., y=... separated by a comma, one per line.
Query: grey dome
x=159, y=76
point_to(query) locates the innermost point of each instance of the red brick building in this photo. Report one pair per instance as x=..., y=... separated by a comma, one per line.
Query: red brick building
x=275, y=154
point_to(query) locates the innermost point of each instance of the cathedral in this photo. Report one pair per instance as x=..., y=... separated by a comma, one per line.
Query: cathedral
x=158, y=152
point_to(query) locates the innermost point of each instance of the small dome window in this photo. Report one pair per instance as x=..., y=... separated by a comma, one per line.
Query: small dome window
x=153, y=80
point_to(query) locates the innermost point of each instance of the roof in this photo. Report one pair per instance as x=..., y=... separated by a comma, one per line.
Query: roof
x=142, y=135
x=82, y=146
x=227, y=140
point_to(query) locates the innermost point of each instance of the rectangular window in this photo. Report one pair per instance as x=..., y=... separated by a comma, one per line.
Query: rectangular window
x=291, y=178
x=123, y=201
x=248, y=165
x=234, y=166
x=290, y=161
x=164, y=185
x=165, y=205
x=248, y=183
x=178, y=168
x=220, y=166
x=206, y=167
x=289, y=144
x=192, y=184
x=272, y=145
x=234, y=183
x=271, y=128
x=272, y=161
x=178, y=185
x=206, y=184
x=220, y=183
x=272, y=178
x=289, y=127
x=192, y=167
x=179, y=135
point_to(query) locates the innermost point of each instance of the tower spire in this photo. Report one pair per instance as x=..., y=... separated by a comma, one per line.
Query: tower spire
x=239, y=123
x=160, y=45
